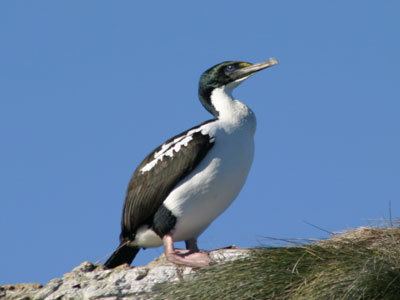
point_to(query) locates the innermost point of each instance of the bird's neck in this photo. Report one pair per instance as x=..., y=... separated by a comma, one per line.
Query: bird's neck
x=229, y=110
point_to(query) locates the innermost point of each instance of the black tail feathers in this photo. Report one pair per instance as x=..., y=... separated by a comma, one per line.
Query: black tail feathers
x=123, y=255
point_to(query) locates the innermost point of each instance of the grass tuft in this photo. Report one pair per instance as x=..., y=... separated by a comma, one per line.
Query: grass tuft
x=358, y=264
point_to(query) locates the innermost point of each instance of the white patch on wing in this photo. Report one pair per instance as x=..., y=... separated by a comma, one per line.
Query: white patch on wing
x=165, y=147
x=168, y=149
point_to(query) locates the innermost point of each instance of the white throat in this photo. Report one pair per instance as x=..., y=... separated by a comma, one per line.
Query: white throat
x=229, y=109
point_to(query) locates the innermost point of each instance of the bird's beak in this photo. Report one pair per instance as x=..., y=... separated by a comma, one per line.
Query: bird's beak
x=249, y=69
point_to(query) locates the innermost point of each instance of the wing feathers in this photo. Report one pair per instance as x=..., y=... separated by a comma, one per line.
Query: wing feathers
x=156, y=176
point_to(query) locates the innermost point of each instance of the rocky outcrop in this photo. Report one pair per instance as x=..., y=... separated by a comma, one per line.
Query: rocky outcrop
x=363, y=263
x=89, y=281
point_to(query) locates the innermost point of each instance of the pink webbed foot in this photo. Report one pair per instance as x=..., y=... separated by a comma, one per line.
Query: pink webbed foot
x=190, y=258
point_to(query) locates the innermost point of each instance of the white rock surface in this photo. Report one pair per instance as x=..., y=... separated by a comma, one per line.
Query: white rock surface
x=88, y=281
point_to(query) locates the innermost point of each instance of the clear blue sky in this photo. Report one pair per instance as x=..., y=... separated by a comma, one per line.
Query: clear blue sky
x=88, y=88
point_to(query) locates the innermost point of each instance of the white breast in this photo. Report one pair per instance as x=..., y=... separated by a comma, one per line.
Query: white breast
x=217, y=180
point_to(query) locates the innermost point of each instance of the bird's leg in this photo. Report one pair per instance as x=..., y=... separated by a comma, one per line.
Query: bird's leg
x=190, y=258
x=191, y=244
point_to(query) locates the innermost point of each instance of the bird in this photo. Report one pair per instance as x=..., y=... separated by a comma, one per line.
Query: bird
x=183, y=185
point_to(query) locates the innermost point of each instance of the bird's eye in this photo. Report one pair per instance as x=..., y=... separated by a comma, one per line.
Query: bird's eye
x=229, y=69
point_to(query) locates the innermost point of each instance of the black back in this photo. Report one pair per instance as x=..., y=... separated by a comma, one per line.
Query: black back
x=147, y=190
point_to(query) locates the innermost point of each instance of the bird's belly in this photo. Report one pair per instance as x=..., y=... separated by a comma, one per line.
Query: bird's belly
x=216, y=182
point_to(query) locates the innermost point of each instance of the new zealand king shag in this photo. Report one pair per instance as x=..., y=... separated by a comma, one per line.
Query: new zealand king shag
x=187, y=182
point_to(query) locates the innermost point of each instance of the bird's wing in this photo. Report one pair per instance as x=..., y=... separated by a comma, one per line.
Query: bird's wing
x=159, y=173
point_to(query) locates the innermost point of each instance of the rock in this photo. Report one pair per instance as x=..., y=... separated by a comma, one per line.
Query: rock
x=90, y=281
x=18, y=291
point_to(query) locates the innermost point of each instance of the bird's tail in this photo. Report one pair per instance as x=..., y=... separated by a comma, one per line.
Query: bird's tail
x=123, y=255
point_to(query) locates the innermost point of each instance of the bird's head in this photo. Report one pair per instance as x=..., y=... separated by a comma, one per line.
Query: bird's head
x=227, y=75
